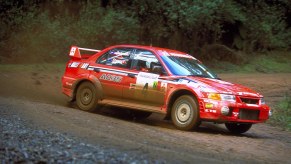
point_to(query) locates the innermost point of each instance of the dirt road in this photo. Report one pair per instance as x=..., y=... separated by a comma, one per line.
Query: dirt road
x=36, y=98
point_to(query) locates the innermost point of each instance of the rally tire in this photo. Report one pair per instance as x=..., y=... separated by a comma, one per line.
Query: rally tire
x=86, y=97
x=185, y=113
x=238, y=128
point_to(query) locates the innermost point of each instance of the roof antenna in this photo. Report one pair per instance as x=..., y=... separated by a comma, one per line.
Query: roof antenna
x=151, y=42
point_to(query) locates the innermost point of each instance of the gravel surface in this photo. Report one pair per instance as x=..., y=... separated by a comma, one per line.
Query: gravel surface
x=38, y=126
x=23, y=144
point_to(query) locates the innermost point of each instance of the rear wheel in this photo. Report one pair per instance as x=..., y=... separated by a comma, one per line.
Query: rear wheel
x=87, y=97
x=238, y=128
x=185, y=113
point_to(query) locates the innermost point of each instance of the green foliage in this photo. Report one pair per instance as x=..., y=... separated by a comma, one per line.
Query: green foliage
x=282, y=114
x=189, y=25
x=185, y=24
x=46, y=29
x=97, y=27
x=41, y=37
x=38, y=38
x=265, y=26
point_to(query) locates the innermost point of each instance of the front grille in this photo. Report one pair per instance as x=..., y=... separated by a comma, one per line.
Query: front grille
x=245, y=114
x=249, y=100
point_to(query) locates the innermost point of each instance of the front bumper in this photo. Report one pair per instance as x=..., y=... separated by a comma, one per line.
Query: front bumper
x=211, y=110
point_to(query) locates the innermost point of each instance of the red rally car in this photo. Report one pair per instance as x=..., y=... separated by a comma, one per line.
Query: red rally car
x=149, y=79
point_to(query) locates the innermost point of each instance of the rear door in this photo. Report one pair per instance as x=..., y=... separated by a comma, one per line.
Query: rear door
x=112, y=70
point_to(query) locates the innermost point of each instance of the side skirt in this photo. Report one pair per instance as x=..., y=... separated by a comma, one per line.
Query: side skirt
x=132, y=105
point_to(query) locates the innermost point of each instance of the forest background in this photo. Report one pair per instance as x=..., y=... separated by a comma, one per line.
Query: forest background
x=215, y=31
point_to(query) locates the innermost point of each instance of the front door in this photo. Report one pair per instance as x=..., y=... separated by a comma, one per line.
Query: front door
x=143, y=85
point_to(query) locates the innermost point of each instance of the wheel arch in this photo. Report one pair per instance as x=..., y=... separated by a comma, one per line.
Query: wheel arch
x=91, y=79
x=174, y=96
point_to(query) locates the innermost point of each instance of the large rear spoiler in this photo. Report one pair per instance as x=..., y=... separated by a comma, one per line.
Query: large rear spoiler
x=75, y=52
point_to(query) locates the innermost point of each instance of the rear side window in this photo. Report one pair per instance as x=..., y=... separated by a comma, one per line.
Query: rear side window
x=118, y=57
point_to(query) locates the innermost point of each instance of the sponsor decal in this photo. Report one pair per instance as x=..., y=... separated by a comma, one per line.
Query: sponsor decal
x=235, y=114
x=119, y=61
x=206, y=89
x=85, y=65
x=147, y=58
x=183, y=81
x=221, y=82
x=73, y=50
x=194, y=84
x=155, y=85
x=120, y=54
x=74, y=64
x=147, y=80
x=165, y=53
x=113, y=71
x=90, y=68
x=69, y=84
x=109, y=77
x=181, y=55
x=210, y=110
x=164, y=86
x=247, y=93
x=131, y=86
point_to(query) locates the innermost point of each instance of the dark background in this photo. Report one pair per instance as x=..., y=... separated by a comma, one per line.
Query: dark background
x=224, y=30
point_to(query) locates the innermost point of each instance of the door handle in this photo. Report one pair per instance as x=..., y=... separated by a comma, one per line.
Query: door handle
x=131, y=75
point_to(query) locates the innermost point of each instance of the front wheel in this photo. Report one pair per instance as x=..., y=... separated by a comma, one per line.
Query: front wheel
x=238, y=128
x=185, y=113
x=87, y=97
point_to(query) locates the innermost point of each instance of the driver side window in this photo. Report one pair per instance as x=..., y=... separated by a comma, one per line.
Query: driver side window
x=145, y=61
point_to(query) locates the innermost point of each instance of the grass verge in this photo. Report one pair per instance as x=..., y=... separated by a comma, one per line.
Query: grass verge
x=270, y=62
x=282, y=114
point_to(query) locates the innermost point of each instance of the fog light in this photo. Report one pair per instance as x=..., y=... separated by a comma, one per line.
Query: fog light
x=224, y=110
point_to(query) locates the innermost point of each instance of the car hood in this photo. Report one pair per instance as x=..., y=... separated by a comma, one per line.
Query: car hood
x=221, y=86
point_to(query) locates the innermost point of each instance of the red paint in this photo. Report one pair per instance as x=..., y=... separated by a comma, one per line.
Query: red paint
x=126, y=90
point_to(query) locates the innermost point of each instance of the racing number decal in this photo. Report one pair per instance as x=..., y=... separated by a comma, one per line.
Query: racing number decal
x=148, y=89
x=147, y=80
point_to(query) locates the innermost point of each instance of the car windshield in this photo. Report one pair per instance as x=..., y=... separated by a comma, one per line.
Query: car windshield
x=187, y=66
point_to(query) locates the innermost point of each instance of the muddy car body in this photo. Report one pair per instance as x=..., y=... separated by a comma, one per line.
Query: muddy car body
x=150, y=79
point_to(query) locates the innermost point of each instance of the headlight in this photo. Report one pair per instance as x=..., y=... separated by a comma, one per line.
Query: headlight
x=221, y=97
